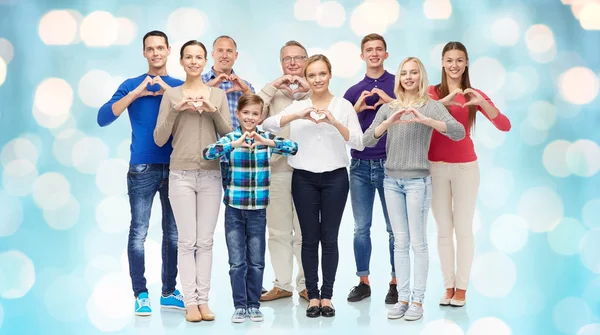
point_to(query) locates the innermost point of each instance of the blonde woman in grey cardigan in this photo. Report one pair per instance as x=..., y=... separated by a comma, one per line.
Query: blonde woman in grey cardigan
x=409, y=121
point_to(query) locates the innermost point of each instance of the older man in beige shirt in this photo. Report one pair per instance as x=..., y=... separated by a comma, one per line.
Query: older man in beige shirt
x=285, y=239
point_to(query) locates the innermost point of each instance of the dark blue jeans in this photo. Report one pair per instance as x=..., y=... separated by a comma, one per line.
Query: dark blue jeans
x=245, y=236
x=320, y=199
x=366, y=177
x=143, y=181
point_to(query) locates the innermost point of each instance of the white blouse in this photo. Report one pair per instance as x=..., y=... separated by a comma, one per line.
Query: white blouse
x=321, y=147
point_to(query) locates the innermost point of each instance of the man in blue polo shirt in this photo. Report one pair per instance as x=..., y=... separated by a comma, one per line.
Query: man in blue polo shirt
x=148, y=170
x=367, y=166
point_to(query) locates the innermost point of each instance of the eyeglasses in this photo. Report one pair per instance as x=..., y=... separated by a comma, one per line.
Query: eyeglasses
x=296, y=59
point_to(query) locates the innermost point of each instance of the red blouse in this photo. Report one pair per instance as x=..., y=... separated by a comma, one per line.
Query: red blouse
x=443, y=149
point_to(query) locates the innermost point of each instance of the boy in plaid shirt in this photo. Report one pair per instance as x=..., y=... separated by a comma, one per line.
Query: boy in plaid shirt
x=248, y=151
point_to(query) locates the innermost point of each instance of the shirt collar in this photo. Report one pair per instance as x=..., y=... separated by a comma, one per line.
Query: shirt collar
x=212, y=74
x=239, y=131
x=386, y=75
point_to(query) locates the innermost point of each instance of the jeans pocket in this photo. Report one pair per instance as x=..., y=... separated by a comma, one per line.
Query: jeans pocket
x=467, y=166
x=135, y=169
x=354, y=163
x=214, y=174
x=176, y=174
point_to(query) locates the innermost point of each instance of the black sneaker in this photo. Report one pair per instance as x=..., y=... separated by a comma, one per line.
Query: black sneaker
x=392, y=296
x=359, y=292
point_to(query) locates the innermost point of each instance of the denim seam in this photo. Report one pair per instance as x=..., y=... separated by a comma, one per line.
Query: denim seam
x=423, y=213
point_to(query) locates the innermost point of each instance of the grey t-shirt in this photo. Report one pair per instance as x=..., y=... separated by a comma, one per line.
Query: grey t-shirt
x=407, y=144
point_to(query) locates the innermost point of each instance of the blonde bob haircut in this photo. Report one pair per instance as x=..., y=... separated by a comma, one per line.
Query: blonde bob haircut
x=422, y=95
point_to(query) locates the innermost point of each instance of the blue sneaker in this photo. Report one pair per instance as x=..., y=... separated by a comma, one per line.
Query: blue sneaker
x=239, y=315
x=142, y=305
x=255, y=314
x=174, y=301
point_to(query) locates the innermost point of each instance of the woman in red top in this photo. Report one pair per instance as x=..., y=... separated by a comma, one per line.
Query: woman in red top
x=455, y=172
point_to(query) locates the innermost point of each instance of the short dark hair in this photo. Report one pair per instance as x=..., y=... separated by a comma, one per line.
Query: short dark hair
x=155, y=33
x=225, y=36
x=372, y=37
x=192, y=42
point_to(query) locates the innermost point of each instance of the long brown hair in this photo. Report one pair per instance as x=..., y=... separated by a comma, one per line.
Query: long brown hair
x=442, y=89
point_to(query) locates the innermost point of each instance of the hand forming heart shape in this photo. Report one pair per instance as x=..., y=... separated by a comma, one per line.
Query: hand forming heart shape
x=318, y=115
x=195, y=103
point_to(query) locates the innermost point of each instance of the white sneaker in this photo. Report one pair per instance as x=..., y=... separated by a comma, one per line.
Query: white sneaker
x=415, y=312
x=397, y=311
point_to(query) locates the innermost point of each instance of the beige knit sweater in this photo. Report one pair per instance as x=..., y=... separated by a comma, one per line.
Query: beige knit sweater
x=192, y=131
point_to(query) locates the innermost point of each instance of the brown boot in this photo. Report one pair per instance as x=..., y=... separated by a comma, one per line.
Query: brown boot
x=274, y=294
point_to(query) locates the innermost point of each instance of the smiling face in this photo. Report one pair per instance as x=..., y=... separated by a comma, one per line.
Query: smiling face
x=318, y=76
x=374, y=53
x=454, y=63
x=193, y=60
x=410, y=77
x=249, y=116
x=224, y=55
x=292, y=60
x=156, y=51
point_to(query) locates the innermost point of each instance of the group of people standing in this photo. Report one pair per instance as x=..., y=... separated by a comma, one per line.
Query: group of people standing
x=283, y=169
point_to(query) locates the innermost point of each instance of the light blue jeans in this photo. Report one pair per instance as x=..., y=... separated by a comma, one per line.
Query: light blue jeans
x=408, y=201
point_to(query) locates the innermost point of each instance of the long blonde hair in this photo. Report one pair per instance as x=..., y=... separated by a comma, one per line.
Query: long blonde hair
x=422, y=96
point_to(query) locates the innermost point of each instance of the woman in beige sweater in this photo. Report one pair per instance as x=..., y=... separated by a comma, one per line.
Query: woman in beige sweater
x=194, y=114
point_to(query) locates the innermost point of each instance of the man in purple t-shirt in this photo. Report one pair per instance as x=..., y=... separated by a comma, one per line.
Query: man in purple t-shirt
x=367, y=166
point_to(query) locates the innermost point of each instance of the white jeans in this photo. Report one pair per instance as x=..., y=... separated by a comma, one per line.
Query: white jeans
x=195, y=197
x=455, y=187
x=285, y=238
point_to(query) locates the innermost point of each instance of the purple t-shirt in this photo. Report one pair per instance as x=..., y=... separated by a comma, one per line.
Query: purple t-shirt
x=385, y=83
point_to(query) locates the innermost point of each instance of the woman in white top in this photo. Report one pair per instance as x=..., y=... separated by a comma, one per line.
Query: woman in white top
x=323, y=126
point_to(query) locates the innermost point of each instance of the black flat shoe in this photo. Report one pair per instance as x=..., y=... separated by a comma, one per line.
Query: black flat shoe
x=328, y=311
x=313, y=312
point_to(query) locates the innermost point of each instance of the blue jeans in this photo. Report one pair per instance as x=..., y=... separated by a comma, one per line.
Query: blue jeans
x=245, y=236
x=143, y=181
x=366, y=177
x=408, y=201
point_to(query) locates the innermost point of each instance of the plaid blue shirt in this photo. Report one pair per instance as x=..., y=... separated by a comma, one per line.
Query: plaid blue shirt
x=249, y=168
x=232, y=97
